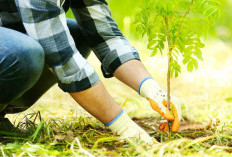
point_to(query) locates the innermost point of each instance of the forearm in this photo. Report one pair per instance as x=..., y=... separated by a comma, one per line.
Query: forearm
x=98, y=102
x=132, y=73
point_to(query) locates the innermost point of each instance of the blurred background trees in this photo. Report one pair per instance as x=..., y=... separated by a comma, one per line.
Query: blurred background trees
x=124, y=11
x=223, y=29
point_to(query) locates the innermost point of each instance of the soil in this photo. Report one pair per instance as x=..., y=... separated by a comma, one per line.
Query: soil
x=188, y=129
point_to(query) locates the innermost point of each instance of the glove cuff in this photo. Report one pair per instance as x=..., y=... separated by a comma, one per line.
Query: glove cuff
x=149, y=88
x=140, y=85
x=116, y=118
x=126, y=128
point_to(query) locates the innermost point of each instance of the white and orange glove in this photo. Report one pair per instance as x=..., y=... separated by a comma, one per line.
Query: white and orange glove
x=127, y=128
x=150, y=90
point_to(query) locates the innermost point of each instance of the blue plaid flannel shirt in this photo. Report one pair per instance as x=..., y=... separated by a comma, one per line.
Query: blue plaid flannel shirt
x=45, y=21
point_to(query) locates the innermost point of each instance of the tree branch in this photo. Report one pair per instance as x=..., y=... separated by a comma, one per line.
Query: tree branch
x=181, y=24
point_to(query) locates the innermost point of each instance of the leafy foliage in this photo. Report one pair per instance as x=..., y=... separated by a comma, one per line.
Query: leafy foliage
x=181, y=23
x=223, y=29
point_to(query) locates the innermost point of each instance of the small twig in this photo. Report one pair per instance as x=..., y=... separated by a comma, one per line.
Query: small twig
x=3, y=154
x=40, y=117
x=21, y=154
x=36, y=115
x=76, y=140
x=30, y=155
x=200, y=140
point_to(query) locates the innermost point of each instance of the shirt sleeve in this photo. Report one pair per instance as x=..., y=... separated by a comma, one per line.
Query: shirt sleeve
x=103, y=34
x=45, y=21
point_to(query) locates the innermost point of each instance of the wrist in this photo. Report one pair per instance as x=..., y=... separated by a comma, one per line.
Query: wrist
x=142, y=82
x=115, y=119
x=149, y=88
x=126, y=128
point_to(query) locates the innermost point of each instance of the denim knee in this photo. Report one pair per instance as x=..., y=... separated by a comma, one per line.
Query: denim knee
x=20, y=73
x=35, y=63
x=21, y=64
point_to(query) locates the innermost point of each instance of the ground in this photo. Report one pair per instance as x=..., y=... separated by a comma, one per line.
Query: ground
x=67, y=130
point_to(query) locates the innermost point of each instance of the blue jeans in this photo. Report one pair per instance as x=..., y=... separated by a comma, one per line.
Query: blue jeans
x=24, y=76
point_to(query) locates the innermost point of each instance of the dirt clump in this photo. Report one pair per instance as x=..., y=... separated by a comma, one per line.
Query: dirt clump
x=188, y=128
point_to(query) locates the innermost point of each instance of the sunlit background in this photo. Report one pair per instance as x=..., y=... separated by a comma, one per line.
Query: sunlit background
x=204, y=94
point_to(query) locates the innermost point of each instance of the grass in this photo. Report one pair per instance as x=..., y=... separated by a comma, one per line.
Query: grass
x=85, y=136
x=65, y=129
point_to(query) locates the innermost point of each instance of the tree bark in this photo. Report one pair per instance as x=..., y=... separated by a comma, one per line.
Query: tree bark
x=169, y=64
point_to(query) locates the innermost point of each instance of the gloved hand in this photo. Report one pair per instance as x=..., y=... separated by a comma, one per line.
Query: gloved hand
x=157, y=98
x=176, y=122
x=126, y=128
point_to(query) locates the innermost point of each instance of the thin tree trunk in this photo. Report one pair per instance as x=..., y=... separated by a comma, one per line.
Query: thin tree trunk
x=169, y=62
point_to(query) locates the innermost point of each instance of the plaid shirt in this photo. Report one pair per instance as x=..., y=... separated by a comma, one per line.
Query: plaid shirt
x=45, y=21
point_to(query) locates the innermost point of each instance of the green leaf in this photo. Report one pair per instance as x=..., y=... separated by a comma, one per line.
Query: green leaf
x=154, y=52
x=186, y=60
x=189, y=49
x=198, y=53
x=200, y=45
x=152, y=36
x=181, y=45
x=161, y=44
x=151, y=44
x=190, y=41
x=161, y=51
x=161, y=36
x=177, y=72
x=175, y=68
x=190, y=67
x=195, y=63
x=171, y=72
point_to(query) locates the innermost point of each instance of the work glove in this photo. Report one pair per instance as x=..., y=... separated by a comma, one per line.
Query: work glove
x=150, y=90
x=126, y=128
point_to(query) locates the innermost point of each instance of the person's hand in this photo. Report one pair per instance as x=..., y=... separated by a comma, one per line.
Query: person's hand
x=126, y=128
x=157, y=98
x=174, y=112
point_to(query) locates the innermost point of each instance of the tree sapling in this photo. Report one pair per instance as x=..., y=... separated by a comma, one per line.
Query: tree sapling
x=180, y=24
